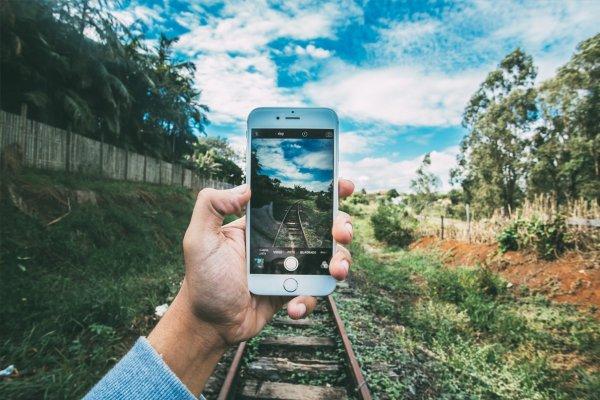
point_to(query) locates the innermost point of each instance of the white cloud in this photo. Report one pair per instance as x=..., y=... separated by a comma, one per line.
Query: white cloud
x=135, y=12
x=271, y=156
x=249, y=26
x=482, y=32
x=353, y=143
x=310, y=51
x=377, y=173
x=397, y=95
x=315, y=159
x=234, y=67
x=234, y=85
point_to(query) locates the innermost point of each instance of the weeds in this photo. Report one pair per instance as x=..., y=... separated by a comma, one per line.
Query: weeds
x=76, y=294
x=461, y=332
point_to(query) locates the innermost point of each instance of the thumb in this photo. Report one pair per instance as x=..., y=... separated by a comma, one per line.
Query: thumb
x=213, y=205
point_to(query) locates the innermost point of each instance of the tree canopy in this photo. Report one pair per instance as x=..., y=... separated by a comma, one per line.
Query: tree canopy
x=76, y=67
x=524, y=140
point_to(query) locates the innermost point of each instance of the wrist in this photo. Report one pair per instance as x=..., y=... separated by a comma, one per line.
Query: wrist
x=189, y=346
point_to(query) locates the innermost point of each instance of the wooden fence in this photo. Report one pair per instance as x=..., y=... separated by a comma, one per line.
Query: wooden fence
x=46, y=147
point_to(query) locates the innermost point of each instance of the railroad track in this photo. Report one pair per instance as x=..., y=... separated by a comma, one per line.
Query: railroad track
x=308, y=359
x=291, y=232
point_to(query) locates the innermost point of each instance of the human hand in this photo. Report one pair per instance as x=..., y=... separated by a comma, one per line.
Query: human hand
x=214, y=307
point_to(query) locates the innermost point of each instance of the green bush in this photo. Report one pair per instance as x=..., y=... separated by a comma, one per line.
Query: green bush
x=393, y=225
x=547, y=238
x=358, y=198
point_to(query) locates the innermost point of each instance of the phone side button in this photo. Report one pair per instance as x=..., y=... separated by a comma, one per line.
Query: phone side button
x=290, y=285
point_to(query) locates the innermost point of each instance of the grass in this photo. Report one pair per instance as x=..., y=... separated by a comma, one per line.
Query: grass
x=76, y=294
x=423, y=330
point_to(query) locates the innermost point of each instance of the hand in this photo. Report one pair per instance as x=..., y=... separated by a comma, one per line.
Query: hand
x=214, y=307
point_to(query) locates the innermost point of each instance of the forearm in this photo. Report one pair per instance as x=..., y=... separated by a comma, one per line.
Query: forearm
x=190, y=347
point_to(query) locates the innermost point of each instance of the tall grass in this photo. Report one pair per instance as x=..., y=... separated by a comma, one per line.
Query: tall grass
x=76, y=293
x=542, y=208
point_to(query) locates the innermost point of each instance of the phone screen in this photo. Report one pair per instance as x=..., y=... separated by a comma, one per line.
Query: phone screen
x=291, y=208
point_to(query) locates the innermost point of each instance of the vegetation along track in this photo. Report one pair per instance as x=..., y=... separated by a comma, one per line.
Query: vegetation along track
x=308, y=359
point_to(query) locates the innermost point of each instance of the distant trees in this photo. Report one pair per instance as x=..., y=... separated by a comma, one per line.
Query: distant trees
x=565, y=149
x=76, y=67
x=492, y=160
x=392, y=193
x=525, y=140
x=424, y=185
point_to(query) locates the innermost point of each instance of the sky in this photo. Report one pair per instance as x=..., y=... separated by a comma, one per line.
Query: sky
x=398, y=73
x=304, y=162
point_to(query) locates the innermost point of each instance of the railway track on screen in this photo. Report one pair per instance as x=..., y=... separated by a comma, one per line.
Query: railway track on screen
x=291, y=232
x=308, y=359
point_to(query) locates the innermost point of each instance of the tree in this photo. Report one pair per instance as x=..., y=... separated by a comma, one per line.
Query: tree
x=499, y=116
x=565, y=153
x=425, y=184
x=392, y=194
x=78, y=68
x=222, y=154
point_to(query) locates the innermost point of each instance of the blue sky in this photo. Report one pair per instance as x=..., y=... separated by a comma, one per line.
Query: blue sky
x=303, y=162
x=398, y=73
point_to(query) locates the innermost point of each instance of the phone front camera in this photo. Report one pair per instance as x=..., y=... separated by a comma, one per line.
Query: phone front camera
x=277, y=117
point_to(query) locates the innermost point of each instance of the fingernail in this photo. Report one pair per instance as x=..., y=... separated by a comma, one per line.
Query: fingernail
x=302, y=309
x=349, y=228
x=241, y=189
x=345, y=265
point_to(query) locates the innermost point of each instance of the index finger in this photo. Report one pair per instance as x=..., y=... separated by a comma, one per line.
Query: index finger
x=345, y=187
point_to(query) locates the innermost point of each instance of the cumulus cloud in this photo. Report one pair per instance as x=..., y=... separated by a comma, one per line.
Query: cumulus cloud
x=234, y=85
x=378, y=173
x=142, y=13
x=234, y=66
x=353, y=143
x=310, y=51
x=397, y=95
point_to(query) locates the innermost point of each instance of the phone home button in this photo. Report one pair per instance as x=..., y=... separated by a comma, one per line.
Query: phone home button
x=291, y=263
x=290, y=285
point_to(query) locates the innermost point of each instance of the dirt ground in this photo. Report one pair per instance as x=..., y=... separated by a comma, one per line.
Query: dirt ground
x=573, y=278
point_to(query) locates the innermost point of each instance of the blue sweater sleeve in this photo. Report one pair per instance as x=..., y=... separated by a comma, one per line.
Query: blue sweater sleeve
x=141, y=374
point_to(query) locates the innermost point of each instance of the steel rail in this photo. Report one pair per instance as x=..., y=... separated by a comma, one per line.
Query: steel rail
x=354, y=368
x=281, y=224
x=361, y=387
x=301, y=227
x=225, y=391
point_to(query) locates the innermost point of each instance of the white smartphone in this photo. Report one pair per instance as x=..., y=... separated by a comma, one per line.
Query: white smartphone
x=292, y=168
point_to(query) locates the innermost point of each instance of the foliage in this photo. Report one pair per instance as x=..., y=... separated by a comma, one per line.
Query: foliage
x=547, y=238
x=222, y=154
x=565, y=151
x=77, y=293
x=524, y=141
x=499, y=116
x=76, y=67
x=424, y=185
x=358, y=198
x=392, y=193
x=461, y=332
x=393, y=225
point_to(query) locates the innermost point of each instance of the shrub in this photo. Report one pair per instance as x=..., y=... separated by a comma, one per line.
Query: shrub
x=547, y=238
x=393, y=225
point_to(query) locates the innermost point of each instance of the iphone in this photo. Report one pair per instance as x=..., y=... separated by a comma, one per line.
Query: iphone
x=291, y=167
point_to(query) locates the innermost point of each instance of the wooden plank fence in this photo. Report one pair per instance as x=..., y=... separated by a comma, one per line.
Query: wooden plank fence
x=51, y=148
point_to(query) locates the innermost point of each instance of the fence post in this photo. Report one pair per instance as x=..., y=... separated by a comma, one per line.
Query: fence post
x=68, y=151
x=23, y=130
x=442, y=220
x=468, y=223
x=126, y=162
x=145, y=166
x=102, y=154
